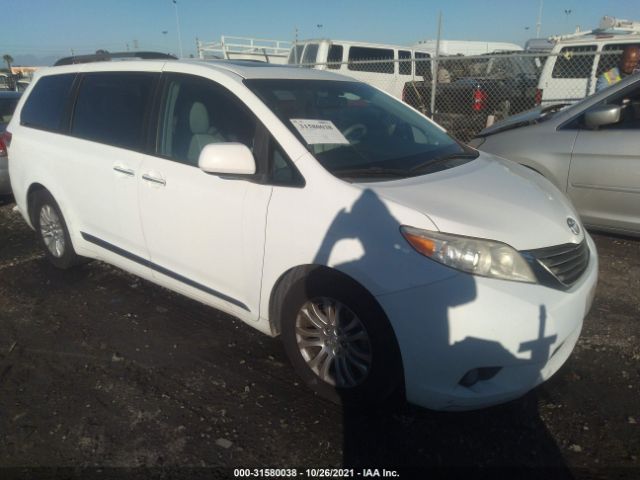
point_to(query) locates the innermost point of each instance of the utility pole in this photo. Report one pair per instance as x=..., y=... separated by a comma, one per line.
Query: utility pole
x=539, y=22
x=434, y=71
x=175, y=4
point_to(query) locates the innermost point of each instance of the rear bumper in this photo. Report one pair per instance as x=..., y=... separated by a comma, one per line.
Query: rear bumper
x=524, y=332
x=5, y=184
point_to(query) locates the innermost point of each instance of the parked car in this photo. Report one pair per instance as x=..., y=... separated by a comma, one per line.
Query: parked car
x=476, y=88
x=8, y=102
x=590, y=150
x=315, y=207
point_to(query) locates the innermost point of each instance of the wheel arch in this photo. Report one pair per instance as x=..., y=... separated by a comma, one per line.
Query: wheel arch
x=295, y=274
x=31, y=191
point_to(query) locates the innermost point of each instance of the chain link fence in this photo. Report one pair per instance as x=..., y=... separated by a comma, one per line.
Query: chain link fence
x=465, y=94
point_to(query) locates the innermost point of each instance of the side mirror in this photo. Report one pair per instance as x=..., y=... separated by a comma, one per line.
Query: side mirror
x=227, y=159
x=601, y=115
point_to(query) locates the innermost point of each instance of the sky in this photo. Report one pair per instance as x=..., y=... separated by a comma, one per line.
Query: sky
x=40, y=31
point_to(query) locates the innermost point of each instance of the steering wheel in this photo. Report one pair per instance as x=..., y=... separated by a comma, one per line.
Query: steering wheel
x=355, y=132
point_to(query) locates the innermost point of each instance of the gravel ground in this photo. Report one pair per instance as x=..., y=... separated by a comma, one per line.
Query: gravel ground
x=103, y=374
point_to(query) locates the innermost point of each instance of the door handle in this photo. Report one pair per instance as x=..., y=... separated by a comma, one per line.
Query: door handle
x=124, y=170
x=152, y=179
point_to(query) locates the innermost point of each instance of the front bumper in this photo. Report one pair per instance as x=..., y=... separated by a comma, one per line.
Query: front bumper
x=524, y=332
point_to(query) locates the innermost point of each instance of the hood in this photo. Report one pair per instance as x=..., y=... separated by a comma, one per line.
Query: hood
x=521, y=119
x=489, y=198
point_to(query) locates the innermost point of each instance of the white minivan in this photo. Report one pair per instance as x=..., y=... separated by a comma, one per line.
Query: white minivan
x=387, y=256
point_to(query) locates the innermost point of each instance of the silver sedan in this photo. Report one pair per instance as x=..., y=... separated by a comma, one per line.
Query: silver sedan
x=590, y=150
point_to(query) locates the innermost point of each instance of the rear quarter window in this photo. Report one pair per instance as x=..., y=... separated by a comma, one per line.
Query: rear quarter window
x=45, y=107
x=574, y=62
x=112, y=108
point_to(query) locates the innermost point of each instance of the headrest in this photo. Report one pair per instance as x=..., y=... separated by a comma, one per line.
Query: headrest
x=198, y=118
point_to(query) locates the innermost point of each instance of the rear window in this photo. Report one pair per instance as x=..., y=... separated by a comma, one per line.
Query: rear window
x=111, y=108
x=574, y=62
x=373, y=55
x=45, y=106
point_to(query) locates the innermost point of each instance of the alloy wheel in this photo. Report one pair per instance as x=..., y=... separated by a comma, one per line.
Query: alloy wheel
x=333, y=342
x=52, y=231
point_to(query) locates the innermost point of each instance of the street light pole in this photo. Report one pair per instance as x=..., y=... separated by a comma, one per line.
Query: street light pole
x=539, y=22
x=175, y=4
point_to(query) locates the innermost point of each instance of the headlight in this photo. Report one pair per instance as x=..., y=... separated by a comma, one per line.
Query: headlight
x=486, y=258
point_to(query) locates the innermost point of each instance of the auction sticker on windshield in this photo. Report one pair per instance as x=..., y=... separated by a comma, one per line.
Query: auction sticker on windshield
x=318, y=131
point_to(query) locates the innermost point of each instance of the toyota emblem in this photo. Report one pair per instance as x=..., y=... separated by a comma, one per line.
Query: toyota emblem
x=573, y=226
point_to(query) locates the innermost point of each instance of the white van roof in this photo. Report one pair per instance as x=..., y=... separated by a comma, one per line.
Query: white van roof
x=355, y=43
x=610, y=29
x=465, y=47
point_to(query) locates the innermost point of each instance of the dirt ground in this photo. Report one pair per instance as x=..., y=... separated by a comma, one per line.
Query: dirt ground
x=107, y=375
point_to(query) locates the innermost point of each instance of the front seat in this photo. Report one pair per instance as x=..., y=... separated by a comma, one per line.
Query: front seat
x=201, y=132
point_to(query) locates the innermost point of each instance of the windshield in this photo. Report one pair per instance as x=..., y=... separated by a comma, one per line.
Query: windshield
x=356, y=131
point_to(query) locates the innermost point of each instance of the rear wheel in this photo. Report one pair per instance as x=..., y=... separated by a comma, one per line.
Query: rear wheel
x=52, y=231
x=340, y=342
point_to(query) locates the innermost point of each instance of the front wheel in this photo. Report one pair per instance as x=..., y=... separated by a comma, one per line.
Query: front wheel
x=52, y=231
x=340, y=342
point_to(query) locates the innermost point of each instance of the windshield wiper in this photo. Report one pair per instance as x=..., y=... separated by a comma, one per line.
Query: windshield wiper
x=371, y=172
x=435, y=161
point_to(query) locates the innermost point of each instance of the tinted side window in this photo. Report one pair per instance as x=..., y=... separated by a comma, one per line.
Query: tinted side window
x=423, y=65
x=46, y=104
x=112, y=108
x=570, y=65
x=371, y=54
x=405, y=62
x=197, y=112
x=335, y=55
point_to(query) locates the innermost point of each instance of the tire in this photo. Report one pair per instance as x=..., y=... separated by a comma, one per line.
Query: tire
x=354, y=361
x=52, y=231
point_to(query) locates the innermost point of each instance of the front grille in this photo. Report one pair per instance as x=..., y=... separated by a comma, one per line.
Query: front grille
x=565, y=263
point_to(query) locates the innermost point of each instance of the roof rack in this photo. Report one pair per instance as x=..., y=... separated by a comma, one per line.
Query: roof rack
x=608, y=26
x=245, y=48
x=104, y=56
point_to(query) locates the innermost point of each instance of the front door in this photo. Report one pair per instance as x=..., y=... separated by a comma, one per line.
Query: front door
x=204, y=233
x=604, y=177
